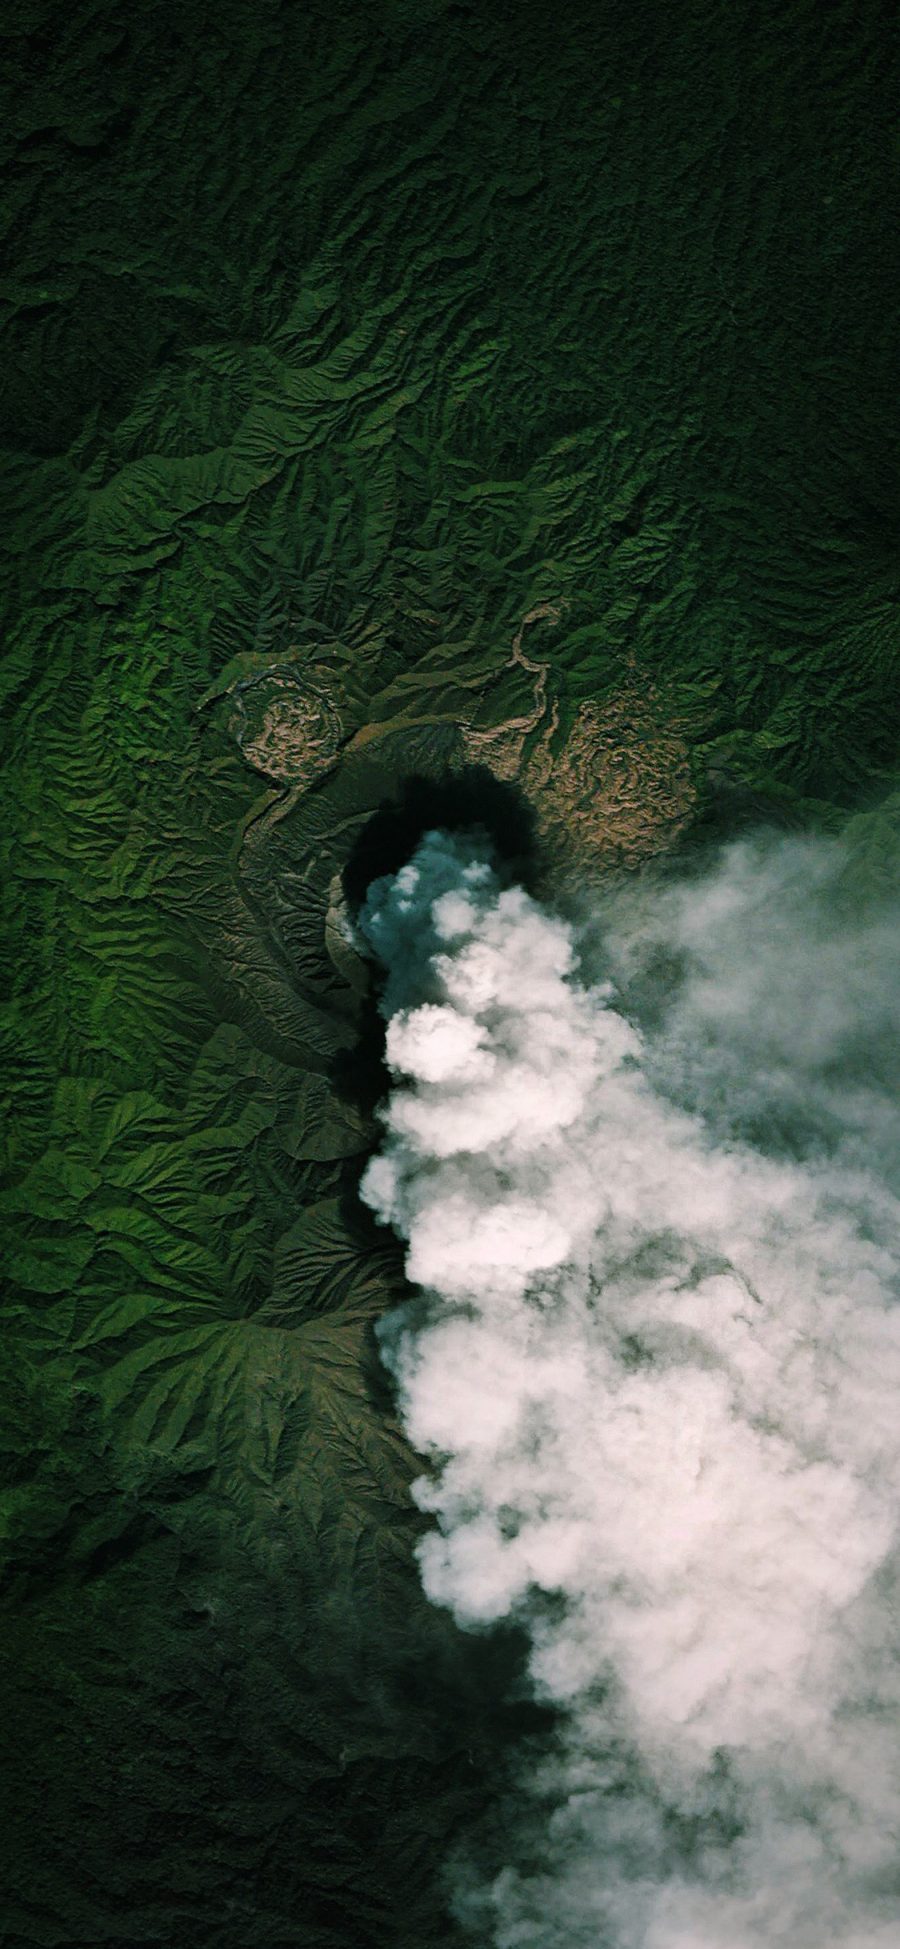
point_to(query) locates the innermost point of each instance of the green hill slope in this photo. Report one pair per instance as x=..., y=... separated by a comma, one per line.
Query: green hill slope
x=338, y=344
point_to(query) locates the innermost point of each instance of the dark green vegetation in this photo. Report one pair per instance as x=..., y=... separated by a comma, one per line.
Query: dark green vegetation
x=335, y=340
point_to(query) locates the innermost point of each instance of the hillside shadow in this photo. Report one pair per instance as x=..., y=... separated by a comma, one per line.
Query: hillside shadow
x=468, y=800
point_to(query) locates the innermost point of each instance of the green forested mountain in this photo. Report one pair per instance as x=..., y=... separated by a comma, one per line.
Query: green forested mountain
x=387, y=390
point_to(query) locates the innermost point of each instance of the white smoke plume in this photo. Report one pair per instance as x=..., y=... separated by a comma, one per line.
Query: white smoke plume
x=655, y=1371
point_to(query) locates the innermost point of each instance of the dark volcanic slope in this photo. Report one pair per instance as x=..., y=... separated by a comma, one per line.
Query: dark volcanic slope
x=337, y=343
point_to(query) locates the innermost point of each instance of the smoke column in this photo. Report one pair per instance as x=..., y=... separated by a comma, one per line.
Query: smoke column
x=653, y=1365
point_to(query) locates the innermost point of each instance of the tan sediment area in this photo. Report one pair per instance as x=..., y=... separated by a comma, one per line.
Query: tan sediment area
x=619, y=790
x=286, y=727
x=615, y=791
x=502, y=747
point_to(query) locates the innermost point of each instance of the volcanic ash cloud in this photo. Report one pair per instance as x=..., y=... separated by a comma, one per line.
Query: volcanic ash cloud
x=655, y=1373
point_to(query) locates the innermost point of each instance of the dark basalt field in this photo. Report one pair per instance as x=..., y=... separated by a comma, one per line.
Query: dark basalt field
x=493, y=396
